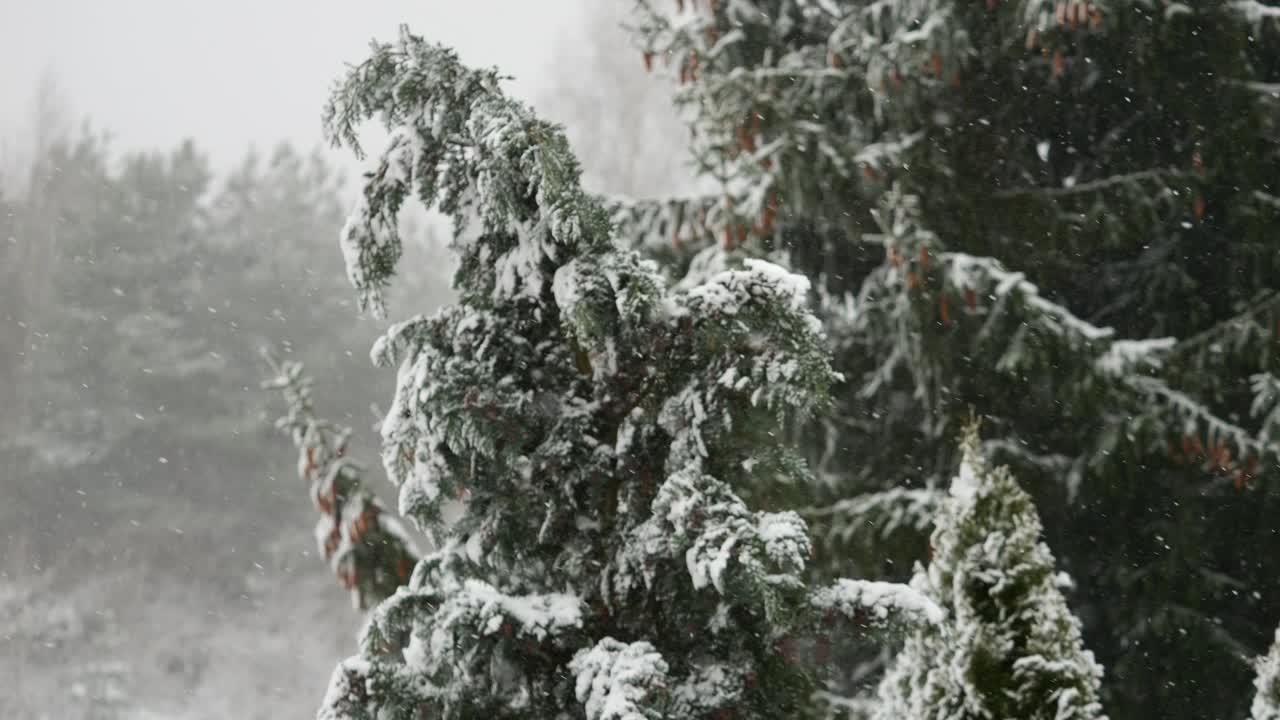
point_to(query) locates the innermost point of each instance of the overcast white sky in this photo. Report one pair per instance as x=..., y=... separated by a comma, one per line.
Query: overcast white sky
x=234, y=72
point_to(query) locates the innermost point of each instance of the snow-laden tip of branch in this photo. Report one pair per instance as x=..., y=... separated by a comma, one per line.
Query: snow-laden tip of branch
x=348, y=690
x=707, y=689
x=395, y=343
x=699, y=518
x=728, y=291
x=1126, y=356
x=1254, y=11
x=617, y=681
x=458, y=142
x=1266, y=702
x=1266, y=404
x=792, y=286
x=1194, y=413
x=888, y=153
x=966, y=272
x=968, y=480
x=484, y=609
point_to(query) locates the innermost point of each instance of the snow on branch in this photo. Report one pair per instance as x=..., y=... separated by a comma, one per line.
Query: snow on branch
x=1266, y=405
x=1126, y=356
x=752, y=114
x=1266, y=701
x=1254, y=11
x=1014, y=448
x=1222, y=435
x=787, y=373
x=968, y=272
x=1158, y=175
x=707, y=689
x=878, y=513
x=701, y=519
x=877, y=604
x=887, y=153
x=970, y=277
x=681, y=226
x=1257, y=324
x=478, y=607
x=618, y=681
x=728, y=292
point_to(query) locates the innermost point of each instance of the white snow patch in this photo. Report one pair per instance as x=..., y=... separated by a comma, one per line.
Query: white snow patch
x=878, y=602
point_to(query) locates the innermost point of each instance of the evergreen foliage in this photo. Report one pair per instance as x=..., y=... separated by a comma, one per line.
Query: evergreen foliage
x=1060, y=213
x=601, y=428
x=1010, y=647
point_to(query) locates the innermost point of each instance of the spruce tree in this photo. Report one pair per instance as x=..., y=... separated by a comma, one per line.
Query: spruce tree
x=598, y=427
x=1059, y=212
x=1010, y=647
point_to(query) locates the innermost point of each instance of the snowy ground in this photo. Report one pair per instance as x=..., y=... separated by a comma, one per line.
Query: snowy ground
x=141, y=638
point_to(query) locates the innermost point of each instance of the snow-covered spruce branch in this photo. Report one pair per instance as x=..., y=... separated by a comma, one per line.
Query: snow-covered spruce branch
x=614, y=680
x=878, y=604
x=1219, y=433
x=1270, y=91
x=366, y=547
x=1255, y=12
x=1257, y=324
x=756, y=73
x=1006, y=447
x=683, y=224
x=1158, y=176
x=598, y=425
x=922, y=291
x=753, y=116
x=981, y=288
x=879, y=514
x=966, y=272
x=1134, y=364
x=681, y=227
x=1266, y=405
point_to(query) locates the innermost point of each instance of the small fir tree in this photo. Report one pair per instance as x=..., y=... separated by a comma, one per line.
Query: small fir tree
x=1010, y=647
x=598, y=428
